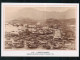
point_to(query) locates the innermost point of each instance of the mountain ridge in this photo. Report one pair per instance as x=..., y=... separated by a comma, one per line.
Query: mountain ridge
x=41, y=15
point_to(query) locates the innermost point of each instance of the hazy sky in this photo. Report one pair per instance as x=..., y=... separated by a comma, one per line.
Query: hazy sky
x=58, y=9
x=10, y=12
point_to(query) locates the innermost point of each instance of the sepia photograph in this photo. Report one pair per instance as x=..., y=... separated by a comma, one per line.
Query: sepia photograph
x=39, y=27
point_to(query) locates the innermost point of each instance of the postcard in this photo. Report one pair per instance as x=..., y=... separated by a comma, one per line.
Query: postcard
x=40, y=29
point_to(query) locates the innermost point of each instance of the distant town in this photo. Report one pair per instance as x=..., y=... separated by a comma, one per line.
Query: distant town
x=52, y=34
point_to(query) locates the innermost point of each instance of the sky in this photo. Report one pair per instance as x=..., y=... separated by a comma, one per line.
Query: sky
x=10, y=12
x=58, y=9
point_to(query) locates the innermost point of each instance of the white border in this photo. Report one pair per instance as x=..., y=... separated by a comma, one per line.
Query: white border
x=71, y=53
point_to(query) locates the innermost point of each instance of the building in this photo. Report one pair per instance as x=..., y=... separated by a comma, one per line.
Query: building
x=57, y=33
